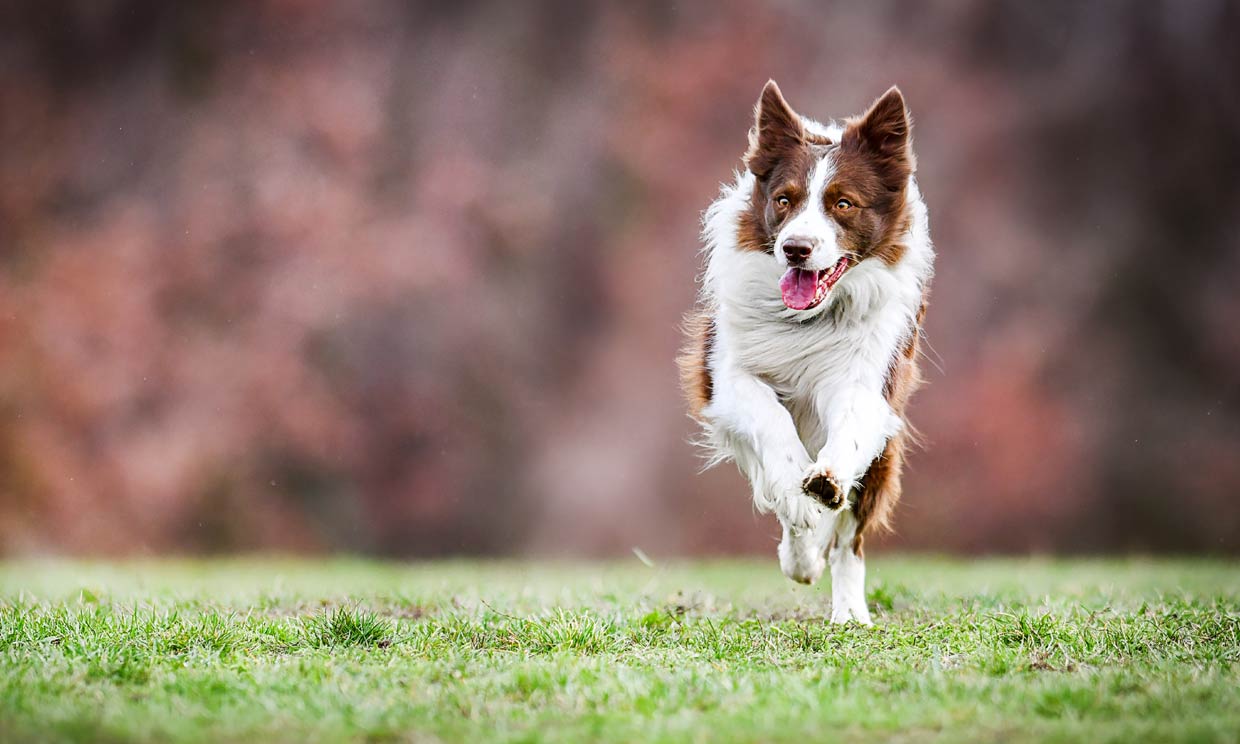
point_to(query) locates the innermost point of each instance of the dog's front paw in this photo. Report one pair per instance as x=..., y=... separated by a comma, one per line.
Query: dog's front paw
x=788, y=500
x=800, y=563
x=820, y=485
x=801, y=555
x=801, y=513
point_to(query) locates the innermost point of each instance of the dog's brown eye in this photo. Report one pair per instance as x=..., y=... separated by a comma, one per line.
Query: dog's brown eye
x=843, y=205
x=783, y=202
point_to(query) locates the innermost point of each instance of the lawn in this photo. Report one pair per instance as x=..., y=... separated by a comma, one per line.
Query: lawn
x=286, y=650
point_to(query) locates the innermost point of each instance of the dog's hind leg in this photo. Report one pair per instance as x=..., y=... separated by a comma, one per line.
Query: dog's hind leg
x=847, y=573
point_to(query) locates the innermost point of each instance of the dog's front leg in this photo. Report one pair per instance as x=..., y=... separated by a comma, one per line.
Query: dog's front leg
x=802, y=549
x=758, y=432
x=858, y=423
x=760, y=435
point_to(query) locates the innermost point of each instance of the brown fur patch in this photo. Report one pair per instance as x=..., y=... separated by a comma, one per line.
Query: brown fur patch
x=873, y=166
x=693, y=361
x=752, y=233
x=781, y=155
x=777, y=133
x=880, y=487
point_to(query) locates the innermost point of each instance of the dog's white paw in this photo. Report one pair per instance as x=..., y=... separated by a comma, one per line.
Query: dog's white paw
x=794, y=509
x=801, y=557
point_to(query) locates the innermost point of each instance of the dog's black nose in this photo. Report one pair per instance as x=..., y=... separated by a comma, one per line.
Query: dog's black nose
x=797, y=250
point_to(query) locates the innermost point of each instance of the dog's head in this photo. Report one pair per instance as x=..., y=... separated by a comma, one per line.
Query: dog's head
x=826, y=200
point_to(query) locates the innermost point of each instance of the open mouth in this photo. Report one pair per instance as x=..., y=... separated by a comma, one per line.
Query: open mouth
x=803, y=288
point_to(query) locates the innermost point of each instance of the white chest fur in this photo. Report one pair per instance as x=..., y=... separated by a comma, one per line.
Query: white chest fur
x=797, y=392
x=847, y=342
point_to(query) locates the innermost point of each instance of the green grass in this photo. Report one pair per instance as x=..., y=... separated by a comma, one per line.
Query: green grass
x=996, y=650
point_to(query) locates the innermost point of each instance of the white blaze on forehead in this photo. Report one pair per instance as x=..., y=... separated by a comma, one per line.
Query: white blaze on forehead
x=812, y=221
x=824, y=169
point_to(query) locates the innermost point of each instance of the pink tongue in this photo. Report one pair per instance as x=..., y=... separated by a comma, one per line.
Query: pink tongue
x=797, y=286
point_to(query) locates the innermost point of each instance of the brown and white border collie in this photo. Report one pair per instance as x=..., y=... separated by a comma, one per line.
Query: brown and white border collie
x=803, y=352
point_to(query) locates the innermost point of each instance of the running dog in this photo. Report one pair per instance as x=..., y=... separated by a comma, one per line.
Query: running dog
x=802, y=354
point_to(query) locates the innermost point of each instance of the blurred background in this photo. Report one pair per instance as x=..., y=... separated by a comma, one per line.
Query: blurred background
x=405, y=279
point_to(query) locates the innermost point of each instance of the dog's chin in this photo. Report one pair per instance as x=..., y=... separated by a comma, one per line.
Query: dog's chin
x=805, y=289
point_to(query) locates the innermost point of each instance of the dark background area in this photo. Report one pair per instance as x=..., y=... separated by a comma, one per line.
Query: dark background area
x=405, y=278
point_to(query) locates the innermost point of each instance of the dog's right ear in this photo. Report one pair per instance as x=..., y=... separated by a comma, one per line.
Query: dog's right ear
x=776, y=134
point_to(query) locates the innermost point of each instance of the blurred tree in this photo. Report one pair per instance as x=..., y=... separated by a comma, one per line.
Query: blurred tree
x=405, y=278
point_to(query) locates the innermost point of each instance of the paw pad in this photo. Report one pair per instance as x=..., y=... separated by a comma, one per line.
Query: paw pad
x=823, y=488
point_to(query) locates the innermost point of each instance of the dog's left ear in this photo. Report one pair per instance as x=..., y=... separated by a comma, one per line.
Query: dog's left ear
x=883, y=132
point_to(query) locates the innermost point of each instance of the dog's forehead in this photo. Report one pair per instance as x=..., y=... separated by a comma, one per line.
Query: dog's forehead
x=821, y=150
x=820, y=161
x=802, y=164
